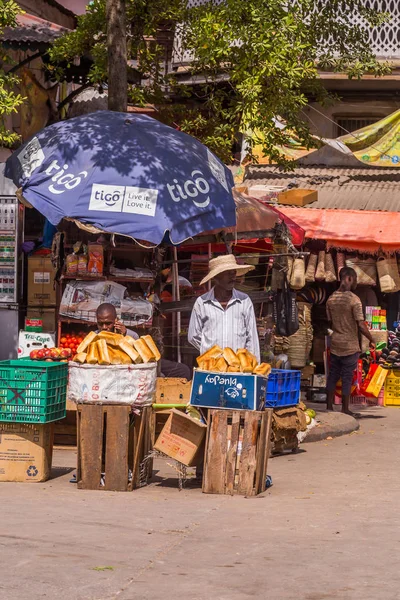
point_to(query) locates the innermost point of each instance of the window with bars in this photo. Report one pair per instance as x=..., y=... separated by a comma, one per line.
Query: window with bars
x=349, y=124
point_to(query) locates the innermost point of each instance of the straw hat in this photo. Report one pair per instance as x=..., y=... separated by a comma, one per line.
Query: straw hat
x=225, y=263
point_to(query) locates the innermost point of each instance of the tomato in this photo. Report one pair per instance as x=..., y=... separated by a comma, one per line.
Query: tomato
x=63, y=340
x=73, y=340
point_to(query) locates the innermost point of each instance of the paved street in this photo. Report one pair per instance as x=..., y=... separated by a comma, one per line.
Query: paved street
x=328, y=529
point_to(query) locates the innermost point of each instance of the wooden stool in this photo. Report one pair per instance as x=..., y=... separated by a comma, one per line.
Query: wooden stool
x=237, y=451
x=109, y=443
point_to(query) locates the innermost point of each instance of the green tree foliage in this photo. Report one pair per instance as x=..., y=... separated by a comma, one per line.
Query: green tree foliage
x=9, y=99
x=256, y=59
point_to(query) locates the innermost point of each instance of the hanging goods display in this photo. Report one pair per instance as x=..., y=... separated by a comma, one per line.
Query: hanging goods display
x=298, y=280
x=330, y=273
x=285, y=311
x=311, y=267
x=340, y=262
x=301, y=342
x=320, y=272
x=365, y=269
x=388, y=273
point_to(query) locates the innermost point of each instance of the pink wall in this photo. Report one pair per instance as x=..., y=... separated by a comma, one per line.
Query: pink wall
x=77, y=6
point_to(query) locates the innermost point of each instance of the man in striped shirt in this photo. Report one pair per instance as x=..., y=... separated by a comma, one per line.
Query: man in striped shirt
x=224, y=316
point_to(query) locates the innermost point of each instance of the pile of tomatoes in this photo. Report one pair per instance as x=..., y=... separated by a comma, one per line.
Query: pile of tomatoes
x=72, y=340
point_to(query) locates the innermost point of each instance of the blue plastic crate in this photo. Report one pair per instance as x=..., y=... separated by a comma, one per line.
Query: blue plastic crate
x=283, y=388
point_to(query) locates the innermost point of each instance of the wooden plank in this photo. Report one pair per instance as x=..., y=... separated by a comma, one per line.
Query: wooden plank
x=231, y=458
x=261, y=454
x=215, y=463
x=268, y=435
x=90, y=446
x=140, y=424
x=247, y=464
x=117, y=441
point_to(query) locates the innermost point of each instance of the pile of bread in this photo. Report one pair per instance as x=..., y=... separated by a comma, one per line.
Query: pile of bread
x=107, y=348
x=227, y=361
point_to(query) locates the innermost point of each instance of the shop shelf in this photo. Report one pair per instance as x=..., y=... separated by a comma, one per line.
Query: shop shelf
x=32, y=391
x=283, y=388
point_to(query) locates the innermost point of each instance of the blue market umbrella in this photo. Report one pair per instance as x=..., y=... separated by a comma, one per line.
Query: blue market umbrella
x=125, y=174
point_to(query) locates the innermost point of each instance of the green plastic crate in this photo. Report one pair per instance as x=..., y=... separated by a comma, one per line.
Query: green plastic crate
x=32, y=391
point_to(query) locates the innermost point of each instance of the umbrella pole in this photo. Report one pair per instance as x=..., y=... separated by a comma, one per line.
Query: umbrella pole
x=177, y=295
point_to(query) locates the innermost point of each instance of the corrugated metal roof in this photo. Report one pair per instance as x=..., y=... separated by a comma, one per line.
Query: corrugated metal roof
x=346, y=189
x=31, y=32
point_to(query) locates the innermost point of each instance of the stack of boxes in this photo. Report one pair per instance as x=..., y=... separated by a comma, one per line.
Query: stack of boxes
x=376, y=318
x=41, y=291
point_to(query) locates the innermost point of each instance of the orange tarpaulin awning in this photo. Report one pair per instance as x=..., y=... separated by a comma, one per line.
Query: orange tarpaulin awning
x=365, y=231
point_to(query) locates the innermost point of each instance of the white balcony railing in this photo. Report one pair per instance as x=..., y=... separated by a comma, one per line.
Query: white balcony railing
x=385, y=40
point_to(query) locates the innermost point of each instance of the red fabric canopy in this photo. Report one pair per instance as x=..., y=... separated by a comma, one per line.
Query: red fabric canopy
x=365, y=231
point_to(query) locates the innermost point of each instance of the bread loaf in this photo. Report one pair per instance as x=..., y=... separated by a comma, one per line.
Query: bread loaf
x=113, y=339
x=221, y=365
x=143, y=350
x=152, y=345
x=118, y=356
x=231, y=358
x=131, y=352
x=80, y=358
x=102, y=352
x=263, y=369
x=246, y=364
x=86, y=342
x=92, y=355
x=214, y=352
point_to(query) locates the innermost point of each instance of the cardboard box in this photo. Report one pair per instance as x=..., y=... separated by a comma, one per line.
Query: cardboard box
x=25, y=452
x=238, y=391
x=181, y=437
x=46, y=315
x=41, y=274
x=172, y=390
x=29, y=340
x=298, y=197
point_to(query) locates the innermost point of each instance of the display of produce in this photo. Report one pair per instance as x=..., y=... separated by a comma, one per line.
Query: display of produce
x=72, y=340
x=227, y=361
x=107, y=348
x=51, y=354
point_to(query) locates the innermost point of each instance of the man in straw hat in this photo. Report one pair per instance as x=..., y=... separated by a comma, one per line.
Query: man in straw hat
x=224, y=316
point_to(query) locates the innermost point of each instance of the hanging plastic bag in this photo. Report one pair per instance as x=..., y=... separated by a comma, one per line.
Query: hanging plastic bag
x=312, y=265
x=320, y=272
x=298, y=279
x=388, y=273
x=330, y=274
x=286, y=315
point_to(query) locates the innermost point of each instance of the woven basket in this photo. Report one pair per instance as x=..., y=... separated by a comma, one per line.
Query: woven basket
x=330, y=274
x=297, y=279
x=312, y=265
x=365, y=269
x=388, y=273
x=320, y=272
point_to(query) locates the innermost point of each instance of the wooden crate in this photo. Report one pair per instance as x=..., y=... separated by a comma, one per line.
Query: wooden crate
x=237, y=451
x=65, y=430
x=109, y=442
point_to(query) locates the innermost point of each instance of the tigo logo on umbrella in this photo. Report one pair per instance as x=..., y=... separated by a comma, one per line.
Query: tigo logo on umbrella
x=126, y=199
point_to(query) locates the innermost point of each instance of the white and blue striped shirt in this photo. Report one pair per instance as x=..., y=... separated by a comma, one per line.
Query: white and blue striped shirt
x=233, y=327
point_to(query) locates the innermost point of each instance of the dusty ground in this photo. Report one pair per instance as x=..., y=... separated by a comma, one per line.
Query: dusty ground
x=327, y=529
